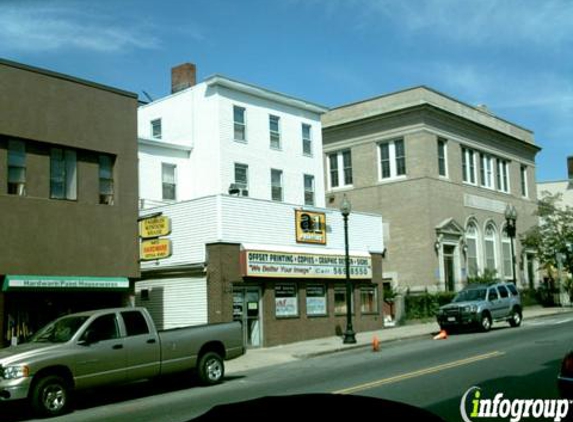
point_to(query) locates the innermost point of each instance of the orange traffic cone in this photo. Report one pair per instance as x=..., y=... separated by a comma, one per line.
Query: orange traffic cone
x=442, y=335
x=375, y=344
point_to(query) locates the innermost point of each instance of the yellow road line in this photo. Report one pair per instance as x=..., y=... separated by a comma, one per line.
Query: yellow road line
x=419, y=373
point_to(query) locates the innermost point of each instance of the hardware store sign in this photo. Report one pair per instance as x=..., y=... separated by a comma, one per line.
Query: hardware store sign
x=296, y=265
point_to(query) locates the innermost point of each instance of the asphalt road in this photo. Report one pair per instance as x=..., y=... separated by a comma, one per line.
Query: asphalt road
x=518, y=362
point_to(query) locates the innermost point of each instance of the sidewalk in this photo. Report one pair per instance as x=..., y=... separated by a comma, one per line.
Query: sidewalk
x=268, y=356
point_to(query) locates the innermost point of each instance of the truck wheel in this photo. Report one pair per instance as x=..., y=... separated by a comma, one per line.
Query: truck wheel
x=211, y=368
x=51, y=396
x=485, y=322
x=516, y=318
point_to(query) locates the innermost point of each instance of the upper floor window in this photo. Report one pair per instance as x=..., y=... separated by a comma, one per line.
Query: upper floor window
x=442, y=157
x=306, y=139
x=169, y=181
x=156, y=128
x=16, y=167
x=63, y=174
x=239, y=123
x=274, y=131
x=486, y=170
x=105, y=179
x=502, y=175
x=392, y=159
x=242, y=178
x=340, y=168
x=308, y=189
x=524, y=190
x=468, y=166
x=276, y=185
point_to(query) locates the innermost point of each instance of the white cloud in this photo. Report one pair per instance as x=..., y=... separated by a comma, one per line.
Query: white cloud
x=48, y=26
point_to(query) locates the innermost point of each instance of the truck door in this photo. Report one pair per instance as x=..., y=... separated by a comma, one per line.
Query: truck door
x=101, y=357
x=141, y=345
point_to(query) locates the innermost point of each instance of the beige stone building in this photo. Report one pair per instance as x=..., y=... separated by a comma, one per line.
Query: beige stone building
x=441, y=173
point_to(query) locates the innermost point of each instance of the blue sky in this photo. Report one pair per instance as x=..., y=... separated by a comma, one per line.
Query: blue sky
x=514, y=56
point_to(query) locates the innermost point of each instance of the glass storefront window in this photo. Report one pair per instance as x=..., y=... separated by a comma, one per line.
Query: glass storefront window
x=368, y=300
x=316, y=300
x=286, y=300
x=340, y=300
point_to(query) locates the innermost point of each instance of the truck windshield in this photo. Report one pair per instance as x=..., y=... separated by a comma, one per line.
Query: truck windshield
x=60, y=330
x=469, y=295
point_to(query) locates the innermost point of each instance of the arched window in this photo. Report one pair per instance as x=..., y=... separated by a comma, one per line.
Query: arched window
x=490, y=243
x=506, y=255
x=472, y=242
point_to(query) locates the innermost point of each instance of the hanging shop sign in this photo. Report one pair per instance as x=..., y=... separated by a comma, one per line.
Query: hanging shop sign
x=310, y=227
x=154, y=227
x=299, y=265
x=155, y=249
x=30, y=282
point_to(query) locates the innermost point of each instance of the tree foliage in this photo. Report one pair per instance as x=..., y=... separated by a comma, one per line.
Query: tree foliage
x=553, y=235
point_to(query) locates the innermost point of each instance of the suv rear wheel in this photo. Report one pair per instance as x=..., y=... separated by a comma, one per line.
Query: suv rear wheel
x=485, y=322
x=515, y=318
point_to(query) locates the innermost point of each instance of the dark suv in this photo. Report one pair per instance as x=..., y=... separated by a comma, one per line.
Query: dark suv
x=482, y=304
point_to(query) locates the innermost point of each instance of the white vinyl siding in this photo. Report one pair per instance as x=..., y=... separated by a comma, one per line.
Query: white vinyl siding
x=174, y=302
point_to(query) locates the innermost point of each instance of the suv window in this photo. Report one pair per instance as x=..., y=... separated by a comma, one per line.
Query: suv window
x=512, y=289
x=470, y=295
x=135, y=323
x=503, y=293
x=492, y=295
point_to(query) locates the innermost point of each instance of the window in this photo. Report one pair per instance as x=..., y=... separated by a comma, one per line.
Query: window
x=135, y=323
x=468, y=166
x=169, y=182
x=336, y=161
x=240, y=127
x=490, y=248
x=274, y=132
x=524, y=190
x=286, y=300
x=63, y=169
x=506, y=255
x=156, y=128
x=442, y=160
x=492, y=294
x=368, y=300
x=16, y=168
x=316, y=300
x=276, y=185
x=502, y=175
x=392, y=159
x=503, y=292
x=101, y=329
x=308, y=189
x=242, y=178
x=105, y=179
x=472, y=238
x=306, y=140
x=486, y=171
x=340, y=300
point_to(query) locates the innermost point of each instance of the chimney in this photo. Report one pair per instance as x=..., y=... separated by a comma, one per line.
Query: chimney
x=182, y=77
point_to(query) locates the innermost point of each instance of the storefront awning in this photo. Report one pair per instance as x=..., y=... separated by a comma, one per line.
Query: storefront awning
x=36, y=282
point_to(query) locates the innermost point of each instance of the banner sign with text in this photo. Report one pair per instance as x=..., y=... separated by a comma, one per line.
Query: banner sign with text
x=299, y=265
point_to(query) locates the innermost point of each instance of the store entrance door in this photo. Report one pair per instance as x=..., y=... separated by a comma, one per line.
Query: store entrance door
x=247, y=310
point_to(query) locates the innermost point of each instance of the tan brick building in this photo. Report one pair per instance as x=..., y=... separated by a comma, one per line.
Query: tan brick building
x=441, y=173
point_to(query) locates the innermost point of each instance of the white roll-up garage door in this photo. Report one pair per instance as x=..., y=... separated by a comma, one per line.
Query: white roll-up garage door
x=174, y=302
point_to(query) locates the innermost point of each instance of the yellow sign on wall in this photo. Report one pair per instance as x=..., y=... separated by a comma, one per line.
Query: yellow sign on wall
x=310, y=227
x=154, y=227
x=155, y=249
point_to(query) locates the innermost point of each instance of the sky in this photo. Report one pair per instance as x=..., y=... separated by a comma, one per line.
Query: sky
x=515, y=56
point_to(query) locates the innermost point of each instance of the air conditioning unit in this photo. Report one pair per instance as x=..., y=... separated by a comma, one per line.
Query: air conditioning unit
x=106, y=199
x=244, y=192
x=234, y=189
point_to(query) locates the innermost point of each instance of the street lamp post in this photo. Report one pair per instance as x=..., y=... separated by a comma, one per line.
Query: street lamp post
x=349, y=335
x=510, y=229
